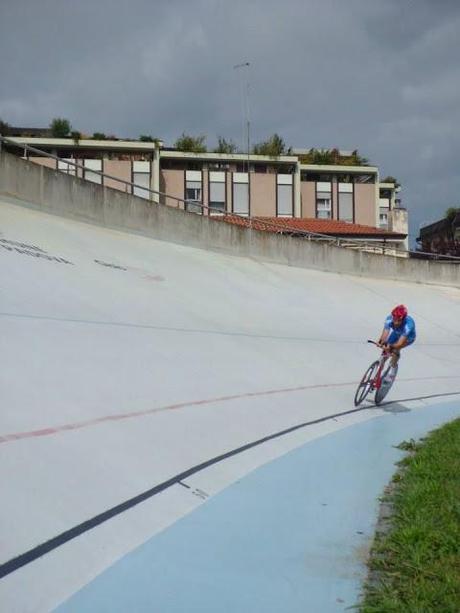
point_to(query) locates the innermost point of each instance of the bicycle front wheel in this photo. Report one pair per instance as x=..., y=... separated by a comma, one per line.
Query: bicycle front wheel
x=385, y=386
x=366, y=383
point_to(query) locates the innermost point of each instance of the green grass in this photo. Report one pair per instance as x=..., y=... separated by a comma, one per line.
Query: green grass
x=415, y=564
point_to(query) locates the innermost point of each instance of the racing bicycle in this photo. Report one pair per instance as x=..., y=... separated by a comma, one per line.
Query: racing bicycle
x=375, y=379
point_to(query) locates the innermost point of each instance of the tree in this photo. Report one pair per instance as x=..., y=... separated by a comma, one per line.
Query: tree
x=4, y=128
x=317, y=156
x=451, y=213
x=146, y=138
x=194, y=144
x=76, y=136
x=391, y=179
x=273, y=147
x=329, y=157
x=60, y=127
x=99, y=136
x=358, y=160
x=225, y=146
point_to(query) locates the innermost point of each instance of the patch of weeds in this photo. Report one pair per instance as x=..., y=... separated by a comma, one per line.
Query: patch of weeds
x=414, y=565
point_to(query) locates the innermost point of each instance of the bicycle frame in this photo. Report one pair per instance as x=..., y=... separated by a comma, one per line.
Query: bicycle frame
x=373, y=379
x=377, y=382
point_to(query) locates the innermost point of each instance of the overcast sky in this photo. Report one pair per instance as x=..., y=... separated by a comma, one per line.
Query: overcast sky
x=380, y=76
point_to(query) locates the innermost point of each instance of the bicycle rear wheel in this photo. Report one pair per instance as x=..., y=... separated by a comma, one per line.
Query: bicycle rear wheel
x=366, y=382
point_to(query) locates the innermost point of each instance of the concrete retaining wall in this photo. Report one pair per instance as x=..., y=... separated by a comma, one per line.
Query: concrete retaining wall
x=55, y=192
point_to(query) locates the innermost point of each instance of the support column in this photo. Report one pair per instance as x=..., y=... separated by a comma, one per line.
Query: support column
x=155, y=178
x=297, y=195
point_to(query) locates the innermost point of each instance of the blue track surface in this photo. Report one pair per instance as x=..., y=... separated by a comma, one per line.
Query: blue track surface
x=292, y=536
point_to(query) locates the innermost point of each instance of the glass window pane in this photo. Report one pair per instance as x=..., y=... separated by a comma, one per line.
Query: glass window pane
x=217, y=196
x=346, y=207
x=323, y=206
x=93, y=177
x=241, y=198
x=90, y=167
x=193, y=194
x=67, y=168
x=141, y=178
x=285, y=200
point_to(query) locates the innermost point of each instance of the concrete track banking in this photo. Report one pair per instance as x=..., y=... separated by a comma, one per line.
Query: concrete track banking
x=141, y=378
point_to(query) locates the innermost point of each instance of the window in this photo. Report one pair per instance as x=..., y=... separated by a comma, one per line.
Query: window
x=323, y=206
x=141, y=178
x=169, y=164
x=284, y=200
x=68, y=169
x=323, y=200
x=383, y=216
x=346, y=202
x=90, y=166
x=364, y=178
x=345, y=178
x=193, y=191
x=307, y=175
x=216, y=192
x=241, y=193
x=218, y=166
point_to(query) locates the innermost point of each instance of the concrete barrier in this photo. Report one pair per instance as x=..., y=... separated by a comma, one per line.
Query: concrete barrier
x=55, y=192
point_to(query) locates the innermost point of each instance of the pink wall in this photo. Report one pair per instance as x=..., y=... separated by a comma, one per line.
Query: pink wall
x=117, y=168
x=308, y=194
x=263, y=195
x=365, y=203
x=172, y=183
x=48, y=162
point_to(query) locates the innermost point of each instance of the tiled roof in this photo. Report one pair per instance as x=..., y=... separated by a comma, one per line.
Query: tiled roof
x=330, y=227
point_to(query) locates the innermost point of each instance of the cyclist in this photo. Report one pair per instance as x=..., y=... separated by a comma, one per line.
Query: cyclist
x=398, y=332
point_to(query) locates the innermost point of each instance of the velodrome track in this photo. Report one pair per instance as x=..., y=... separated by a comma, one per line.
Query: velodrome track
x=141, y=378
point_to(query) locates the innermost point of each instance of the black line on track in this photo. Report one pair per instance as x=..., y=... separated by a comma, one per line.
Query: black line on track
x=40, y=550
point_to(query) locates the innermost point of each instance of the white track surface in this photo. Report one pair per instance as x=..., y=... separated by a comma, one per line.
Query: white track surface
x=184, y=355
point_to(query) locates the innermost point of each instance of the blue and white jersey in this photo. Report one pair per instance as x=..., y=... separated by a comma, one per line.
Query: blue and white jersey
x=407, y=329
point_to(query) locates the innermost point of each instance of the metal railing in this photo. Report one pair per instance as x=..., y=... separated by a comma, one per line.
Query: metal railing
x=252, y=223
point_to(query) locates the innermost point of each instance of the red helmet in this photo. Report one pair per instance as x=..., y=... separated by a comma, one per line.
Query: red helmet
x=399, y=312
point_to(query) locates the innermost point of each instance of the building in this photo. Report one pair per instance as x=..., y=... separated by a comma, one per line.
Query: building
x=216, y=183
x=441, y=237
x=388, y=202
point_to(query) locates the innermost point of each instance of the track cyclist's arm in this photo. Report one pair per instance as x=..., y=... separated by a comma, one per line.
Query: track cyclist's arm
x=387, y=329
x=400, y=343
x=383, y=337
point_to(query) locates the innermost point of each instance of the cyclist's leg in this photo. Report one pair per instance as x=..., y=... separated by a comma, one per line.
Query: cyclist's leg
x=396, y=355
x=394, y=359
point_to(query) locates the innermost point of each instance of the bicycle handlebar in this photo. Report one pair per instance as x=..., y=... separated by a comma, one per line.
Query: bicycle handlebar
x=384, y=349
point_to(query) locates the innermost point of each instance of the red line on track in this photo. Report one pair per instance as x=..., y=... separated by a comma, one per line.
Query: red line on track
x=121, y=416
x=6, y=438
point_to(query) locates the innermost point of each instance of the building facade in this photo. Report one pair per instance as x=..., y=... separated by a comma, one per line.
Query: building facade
x=214, y=183
x=441, y=237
